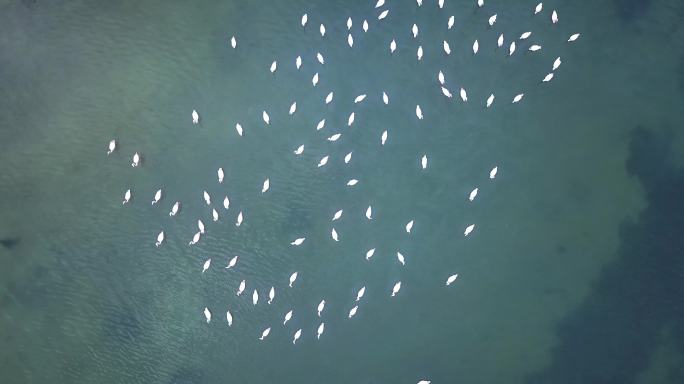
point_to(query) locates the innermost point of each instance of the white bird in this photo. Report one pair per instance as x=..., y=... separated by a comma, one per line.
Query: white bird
x=229, y=317
x=314, y=79
x=446, y=92
x=538, y=8
x=334, y=137
x=396, y=288
x=476, y=47
x=440, y=4
x=298, y=62
x=322, y=30
x=323, y=161
x=274, y=66
x=321, y=125
x=534, y=47
x=468, y=229
x=547, y=78
x=385, y=98
x=473, y=194
x=226, y=202
x=440, y=77
x=207, y=314
x=337, y=215
x=451, y=279
x=393, y=46
x=329, y=98
x=238, y=222
x=450, y=23
x=241, y=287
x=349, y=23
x=206, y=265
x=200, y=226
x=424, y=161
x=518, y=97
x=383, y=14
x=160, y=238
x=333, y=234
x=424, y=382
x=464, y=95
x=299, y=150
x=525, y=35
x=195, y=117
x=352, y=311
x=490, y=100
x=305, y=18
x=293, y=108
x=420, y=2
x=207, y=198
x=556, y=63
x=112, y=147
x=380, y=3
x=195, y=239
x=365, y=26
x=174, y=209
x=214, y=215
x=480, y=3
x=232, y=262
x=554, y=17
x=297, y=335
x=350, y=120
x=350, y=40
x=320, y=307
x=492, y=20
x=266, y=185
x=320, y=58
x=446, y=47
x=419, y=112
x=511, y=48
x=320, y=330
x=492, y=173
x=369, y=213
x=293, y=277
x=265, y=333
x=409, y=226
x=573, y=37
x=265, y=117
x=271, y=295
x=347, y=158
x=400, y=257
x=359, y=98
x=360, y=293
x=157, y=196
x=298, y=241
x=220, y=175
x=370, y=253
x=255, y=297
x=127, y=196
x=352, y=182
x=419, y=53
x=383, y=138
x=238, y=128
x=414, y=30
x=136, y=160
x=500, y=40
x=288, y=316
x=233, y=42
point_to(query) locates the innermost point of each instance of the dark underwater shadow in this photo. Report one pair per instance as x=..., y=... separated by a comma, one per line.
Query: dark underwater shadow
x=612, y=336
x=630, y=10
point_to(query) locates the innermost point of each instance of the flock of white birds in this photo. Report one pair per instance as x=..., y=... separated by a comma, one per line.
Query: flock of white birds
x=382, y=14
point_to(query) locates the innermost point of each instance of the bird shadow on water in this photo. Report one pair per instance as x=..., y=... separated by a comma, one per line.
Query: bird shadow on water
x=612, y=336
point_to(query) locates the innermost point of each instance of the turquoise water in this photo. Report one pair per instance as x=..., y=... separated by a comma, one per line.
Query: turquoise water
x=573, y=273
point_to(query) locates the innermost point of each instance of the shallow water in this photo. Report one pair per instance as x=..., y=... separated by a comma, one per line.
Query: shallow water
x=571, y=275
